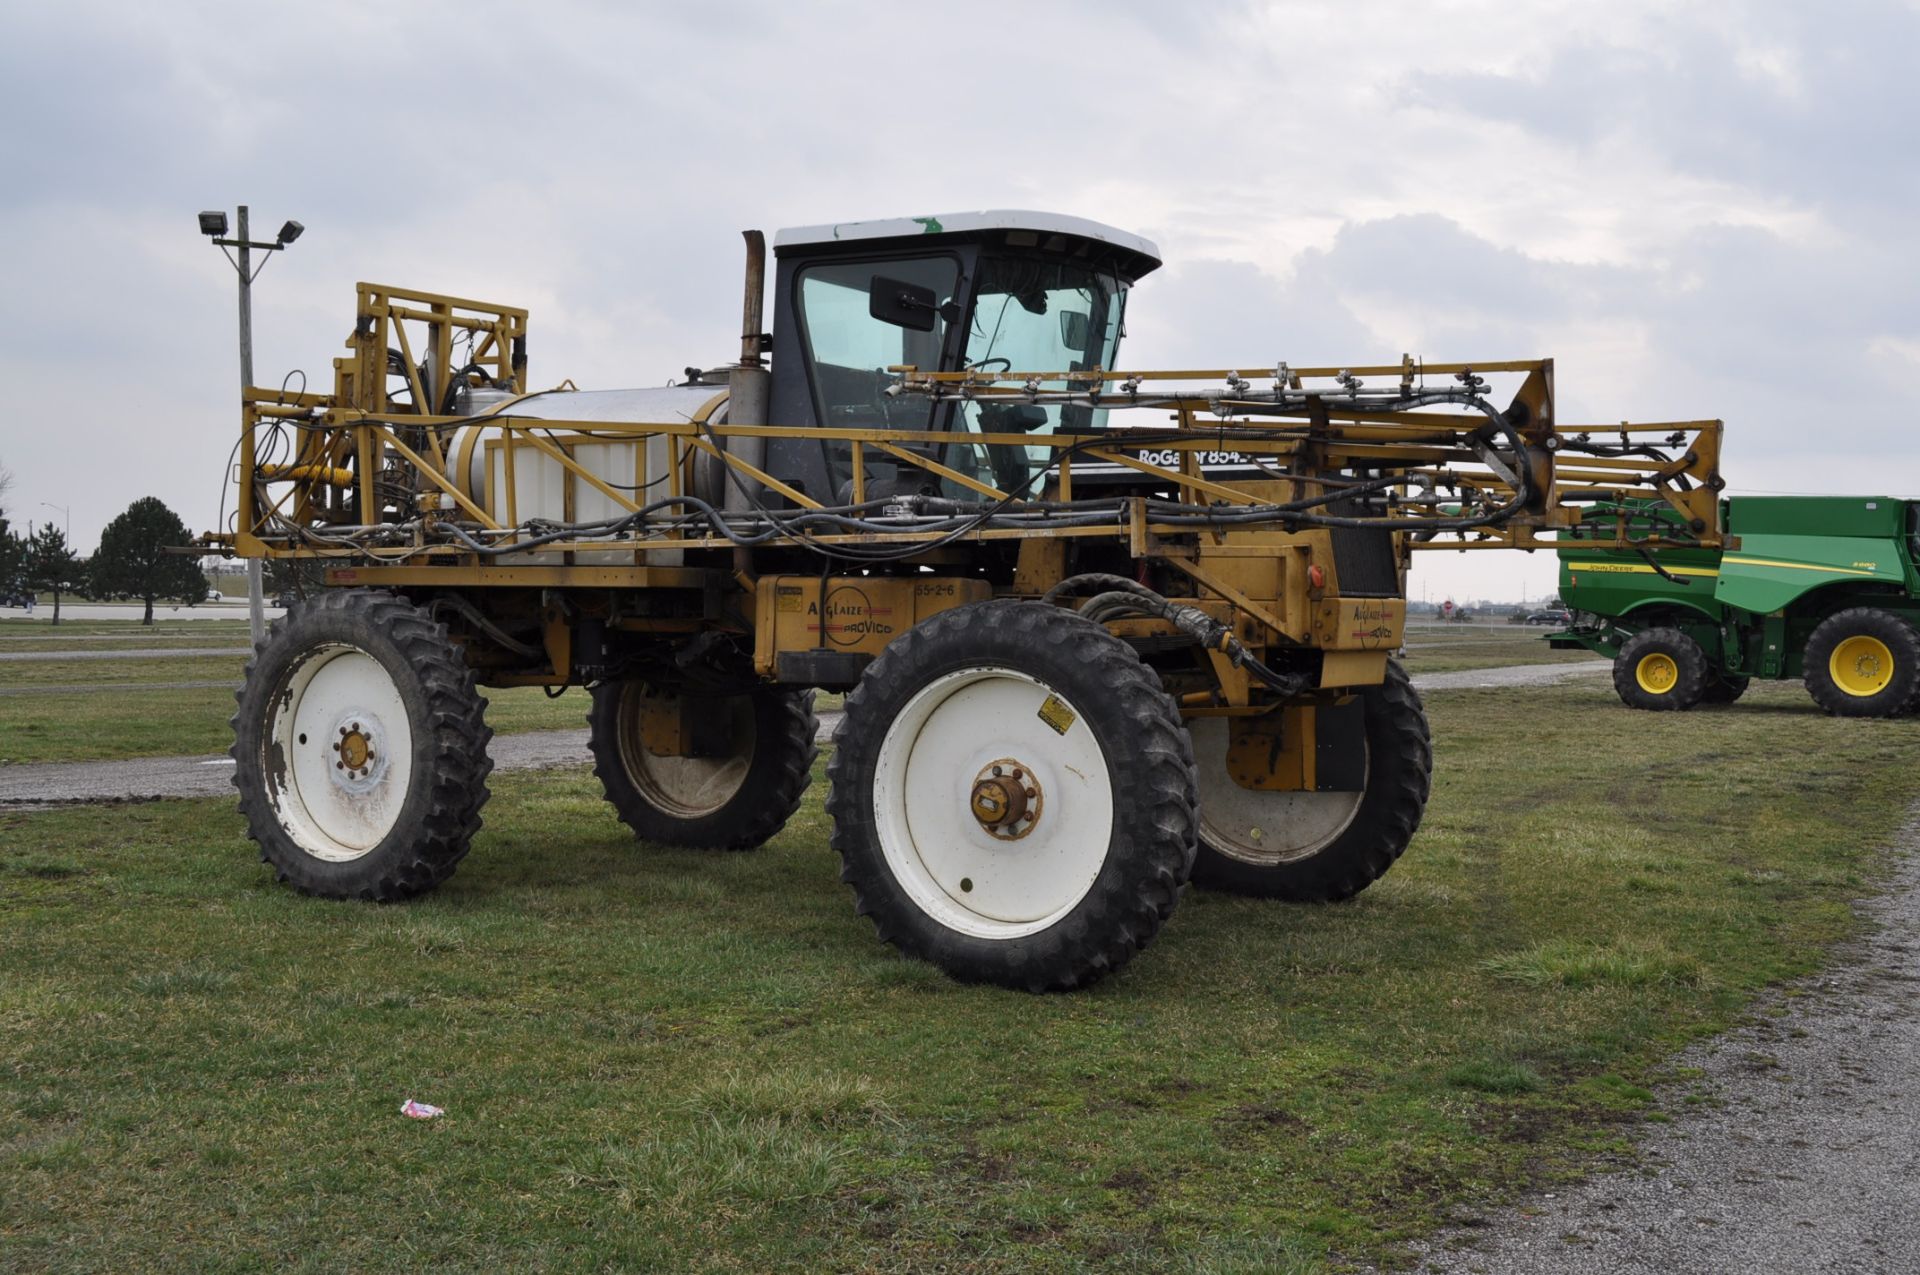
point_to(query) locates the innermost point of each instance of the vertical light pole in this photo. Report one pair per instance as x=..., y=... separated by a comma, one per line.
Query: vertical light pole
x=66, y=520
x=214, y=226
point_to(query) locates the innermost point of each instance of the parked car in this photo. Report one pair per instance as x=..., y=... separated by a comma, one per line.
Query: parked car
x=1552, y=615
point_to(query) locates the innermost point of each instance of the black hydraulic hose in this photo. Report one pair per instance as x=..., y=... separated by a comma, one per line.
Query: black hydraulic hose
x=1662, y=572
x=452, y=395
x=1129, y=597
x=454, y=602
x=1013, y=512
x=1090, y=580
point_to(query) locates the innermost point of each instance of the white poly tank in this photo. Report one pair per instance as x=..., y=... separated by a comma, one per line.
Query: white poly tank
x=635, y=466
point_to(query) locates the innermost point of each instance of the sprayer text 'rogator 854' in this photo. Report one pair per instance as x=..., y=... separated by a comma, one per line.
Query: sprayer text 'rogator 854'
x=1100, y=631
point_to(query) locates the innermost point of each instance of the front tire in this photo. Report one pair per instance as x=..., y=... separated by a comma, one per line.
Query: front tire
x=1317, y=847
x=360, y=748
x=1660, y=670
x=1013, y=797
x=1863, y=662
x=736, y=798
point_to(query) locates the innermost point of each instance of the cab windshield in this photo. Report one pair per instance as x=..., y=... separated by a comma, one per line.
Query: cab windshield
x=1034, y=316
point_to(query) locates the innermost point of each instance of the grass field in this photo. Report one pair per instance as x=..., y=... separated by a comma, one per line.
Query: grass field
x=115, y=708
x=1447, y=648
x=658, y=1060
x=105, y=722
x=138, y=720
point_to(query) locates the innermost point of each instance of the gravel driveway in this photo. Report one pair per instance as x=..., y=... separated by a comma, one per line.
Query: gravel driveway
x=1810, y=1162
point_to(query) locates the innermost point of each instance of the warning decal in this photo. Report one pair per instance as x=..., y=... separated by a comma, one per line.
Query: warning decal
x=1055, y=713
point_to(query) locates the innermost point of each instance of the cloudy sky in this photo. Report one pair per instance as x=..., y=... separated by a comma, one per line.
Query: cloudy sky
x=1698, y=209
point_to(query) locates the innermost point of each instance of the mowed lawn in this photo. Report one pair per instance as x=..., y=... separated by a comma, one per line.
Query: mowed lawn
x=1432, y=647
x=661, y=1060
x=179, y=705
x=110, y=706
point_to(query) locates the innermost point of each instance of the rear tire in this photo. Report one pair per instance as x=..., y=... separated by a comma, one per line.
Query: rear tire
x=1863, y=662
x=360, y=748
x=1317, y=847
x=1096, y=845
x=1660, y=670
x=736, y=800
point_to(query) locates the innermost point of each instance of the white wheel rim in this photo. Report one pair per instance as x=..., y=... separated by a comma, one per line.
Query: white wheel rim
x=1254, y=826
x=339, y=695
x=686, y=787
x=951, y=866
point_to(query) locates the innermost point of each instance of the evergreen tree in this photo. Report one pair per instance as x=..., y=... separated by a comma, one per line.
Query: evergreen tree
x=52, y=566
x=13, y=550
x=13, y=553
x=132, y=560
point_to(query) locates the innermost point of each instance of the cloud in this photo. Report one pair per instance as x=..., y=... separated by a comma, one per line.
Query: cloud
x=1810, y=103
x=1697, y=212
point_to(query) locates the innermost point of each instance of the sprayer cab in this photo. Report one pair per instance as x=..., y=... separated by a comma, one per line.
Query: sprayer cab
x=994, y=291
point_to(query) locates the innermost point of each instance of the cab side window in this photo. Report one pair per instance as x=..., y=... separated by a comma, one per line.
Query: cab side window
x=848, y=351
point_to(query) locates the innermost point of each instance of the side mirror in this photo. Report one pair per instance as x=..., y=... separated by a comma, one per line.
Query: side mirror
x=1073, y=330
x=904, y=305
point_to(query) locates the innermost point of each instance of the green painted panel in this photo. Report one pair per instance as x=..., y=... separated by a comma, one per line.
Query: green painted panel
x=1852, y=517
x=1621, y=583
x=1768, y=572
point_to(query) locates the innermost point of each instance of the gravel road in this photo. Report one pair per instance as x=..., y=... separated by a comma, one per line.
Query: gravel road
x=148, y=653
x=1810, y=1162
x=1511, y=675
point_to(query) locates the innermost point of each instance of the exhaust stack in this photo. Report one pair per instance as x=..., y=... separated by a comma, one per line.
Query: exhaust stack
x=749, y=386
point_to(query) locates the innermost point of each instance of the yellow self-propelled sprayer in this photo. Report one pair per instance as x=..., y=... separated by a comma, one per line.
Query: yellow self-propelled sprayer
x=1100, y=631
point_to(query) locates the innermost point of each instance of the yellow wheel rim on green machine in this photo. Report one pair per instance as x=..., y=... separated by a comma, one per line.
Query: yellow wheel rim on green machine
x=1861, y=666
x=1656, y=673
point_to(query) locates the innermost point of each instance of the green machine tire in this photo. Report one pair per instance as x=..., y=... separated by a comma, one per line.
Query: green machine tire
x=1863, y=662
x=1660, y=670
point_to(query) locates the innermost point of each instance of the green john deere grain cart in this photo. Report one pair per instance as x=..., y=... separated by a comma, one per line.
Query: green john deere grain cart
x=1823, y=588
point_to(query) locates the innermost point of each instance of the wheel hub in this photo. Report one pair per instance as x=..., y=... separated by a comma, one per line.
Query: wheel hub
x=1862, y=666
x=1006, y=799
x=1657, y=673
x=356, y=755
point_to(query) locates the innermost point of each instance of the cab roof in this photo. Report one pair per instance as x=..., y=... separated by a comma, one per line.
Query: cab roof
x=1018, y=227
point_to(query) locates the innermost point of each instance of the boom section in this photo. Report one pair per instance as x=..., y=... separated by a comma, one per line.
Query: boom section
x=418, y=456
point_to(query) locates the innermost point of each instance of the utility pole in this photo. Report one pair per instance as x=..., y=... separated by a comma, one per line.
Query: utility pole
x=214, y=226
x=256, y=567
